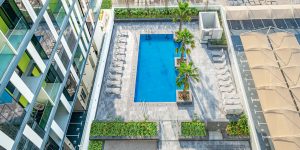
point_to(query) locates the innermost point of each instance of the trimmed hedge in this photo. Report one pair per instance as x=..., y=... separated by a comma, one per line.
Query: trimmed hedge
x=194, y=128
x=95, y=145
x=124, y=129
x=221, y=41
x=106, y=4
x=238, y=128
x=125, y=13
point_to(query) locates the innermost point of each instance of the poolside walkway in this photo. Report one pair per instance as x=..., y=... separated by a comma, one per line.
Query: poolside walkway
x=207, y=99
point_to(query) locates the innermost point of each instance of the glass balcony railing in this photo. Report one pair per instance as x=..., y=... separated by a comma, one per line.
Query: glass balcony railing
x=57, y=12
x=52, y=89
x=18, y=33
x=7, y=52
x=78, y=60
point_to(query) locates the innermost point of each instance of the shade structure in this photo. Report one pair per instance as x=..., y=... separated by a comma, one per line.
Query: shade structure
x=261, y=57
x=255, y=40
x=292, y=143
x=267, y=76
x=283, y=40
x=274, y=62
x=275, y=97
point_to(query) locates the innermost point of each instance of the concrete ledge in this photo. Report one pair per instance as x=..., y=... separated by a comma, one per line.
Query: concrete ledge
x=216, y=46
x=193, y=138
x=227, y=137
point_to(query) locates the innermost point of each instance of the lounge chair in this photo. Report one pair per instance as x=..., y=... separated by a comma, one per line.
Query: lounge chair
x=231, y=96
x=118, y=64
x=116, y=70
x=121, y=45
x=224, y=77
x=231, y=102
x=119, y=58
x=122, y=40
x=222, y=71
x=219, y=59
x=116, y=84
x=225, y=83
x=123, y=33
x=114, y=77
x=227, y=89
x=114, y=91
x=220, y=65
x=217, y=52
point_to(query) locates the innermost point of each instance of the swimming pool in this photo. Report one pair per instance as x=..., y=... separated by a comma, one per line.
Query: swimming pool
x=156, y=74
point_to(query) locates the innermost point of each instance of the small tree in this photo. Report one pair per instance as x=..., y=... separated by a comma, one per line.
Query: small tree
x=182, y=13
x=186, y=38
x=186, y=71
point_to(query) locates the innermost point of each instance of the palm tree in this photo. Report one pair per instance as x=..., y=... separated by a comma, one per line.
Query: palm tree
x=186, y=71
x=182, y=13
x=186, y=38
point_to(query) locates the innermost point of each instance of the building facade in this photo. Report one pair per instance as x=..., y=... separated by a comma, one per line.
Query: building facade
x=47, y=64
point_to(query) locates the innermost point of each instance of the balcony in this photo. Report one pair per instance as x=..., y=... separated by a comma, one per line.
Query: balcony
x=56, y=12
x=7, y=52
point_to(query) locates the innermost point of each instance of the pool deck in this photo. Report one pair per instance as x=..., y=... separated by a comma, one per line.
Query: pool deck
x=207, y=98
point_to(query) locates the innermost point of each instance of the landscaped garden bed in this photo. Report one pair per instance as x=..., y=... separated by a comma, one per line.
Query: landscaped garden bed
x=124, y=130
x=237, y=129
x=128, y=13
x=193, y=130
x=95, y=145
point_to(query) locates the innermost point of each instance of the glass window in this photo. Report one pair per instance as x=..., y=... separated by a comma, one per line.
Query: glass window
x=78, y=60
x=70, y=37
x=56, y=12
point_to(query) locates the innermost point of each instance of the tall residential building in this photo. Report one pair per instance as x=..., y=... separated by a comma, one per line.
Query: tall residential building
x=47, y=64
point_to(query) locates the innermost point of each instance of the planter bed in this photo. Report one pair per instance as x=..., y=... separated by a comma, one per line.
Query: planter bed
x=124, y=130
x=96, y=145
x=149, y=19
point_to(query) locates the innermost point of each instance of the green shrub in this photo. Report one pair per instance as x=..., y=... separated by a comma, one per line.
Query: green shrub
x=126, y=13
x=194, y=128
x=239, y=127
x=106, y=4
x=221, y=41
x=95, y=145
x=124, y=129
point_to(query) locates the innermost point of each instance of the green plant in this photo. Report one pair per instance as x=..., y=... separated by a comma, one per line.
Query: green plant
x=182, y=13
x=186, y=71
x=221, y=41
x=124, y=129
x=106, y=4
x=239, y=127
x=186, y=38
x=126, y=13
x=95, y=145
x=193, y=128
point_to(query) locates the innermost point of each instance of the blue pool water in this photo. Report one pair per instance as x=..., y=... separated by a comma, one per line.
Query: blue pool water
x=156, y=74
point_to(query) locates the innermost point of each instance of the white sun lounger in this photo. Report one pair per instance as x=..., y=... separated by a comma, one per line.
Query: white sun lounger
x=217, y=52
x=114, y=91
x=222, y=71
x=123, y=33
x=230, y=96
x=121, y=45
x=225, y=83
x=116, y=84
x=227, y=89
x=219, y=59
x=224, y=77
x=119, y=58
x=114, y=77
x=122, y=40
x=118, y=64
x=220, y=65
x=116, y=70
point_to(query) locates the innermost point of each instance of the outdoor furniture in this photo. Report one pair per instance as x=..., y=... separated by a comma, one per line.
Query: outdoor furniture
x=114, y=77
x=219, y=59
x=224, y=77
x=222, y=71
x=122, y=34
x=116, y=84
x=119, y=58
x=227, y=89
x=113, y=91
x=220, y=65
x=217, y=52
x=225, y=83
x=116, y=70
x=121, y=40
x=118, y=64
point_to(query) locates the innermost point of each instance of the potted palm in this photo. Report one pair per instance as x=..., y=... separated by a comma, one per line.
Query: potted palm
x=182, y=13
x=186, y=72
x=187, y=42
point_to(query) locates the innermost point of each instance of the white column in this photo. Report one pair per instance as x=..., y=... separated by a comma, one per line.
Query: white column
x=32, y=136
x=22, y=87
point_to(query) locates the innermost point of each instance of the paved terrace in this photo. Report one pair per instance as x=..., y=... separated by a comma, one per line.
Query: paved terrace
x=207, y=100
